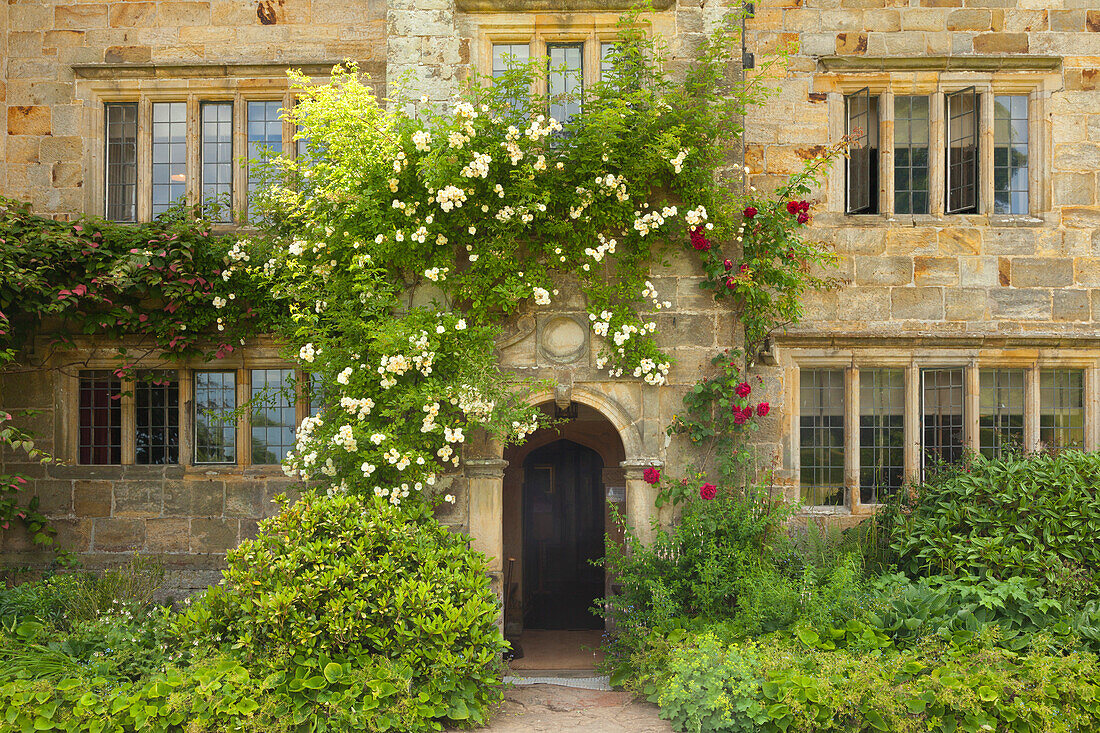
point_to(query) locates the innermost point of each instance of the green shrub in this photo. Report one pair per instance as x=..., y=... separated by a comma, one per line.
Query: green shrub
x=777, y=684
x=1035, y=516
x=346, y=577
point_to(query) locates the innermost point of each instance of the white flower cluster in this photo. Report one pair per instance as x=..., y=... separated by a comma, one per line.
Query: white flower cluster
x=511, y=146
x=367, y=468
x=238, y=253
x=357, y=408
x=623, y=335
x=607, y=246
x=425, y=357
x=473, y=404
x=457, y=140
x=678, y=161
x=428, y=424
x=307, y=353
x=478, y=167
x=400, y=162
x=542, y=296
x=653, y=220
x=450, y=197
x=600, y=323
x=392, y=365
x=696, y=216
x=436, y=274
x=344, y=437
x=344, y=376
x=422, y=139
x=522, y=430
x=651, y=292
x=329, y=469
x=586, y=200
x=652, y=372
x=535, y=131
x=219, y=302
x=613, y=185
x=297, y=247
x=453, y=435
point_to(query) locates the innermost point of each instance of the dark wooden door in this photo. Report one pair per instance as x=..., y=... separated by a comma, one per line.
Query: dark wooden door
x=563, y=531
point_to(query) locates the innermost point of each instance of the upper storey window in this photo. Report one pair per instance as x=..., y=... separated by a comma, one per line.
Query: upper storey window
x=940, y=143
x=565, y=79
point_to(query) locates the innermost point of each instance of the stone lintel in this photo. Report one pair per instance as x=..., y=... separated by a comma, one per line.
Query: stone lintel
x=940, y=63
x=485, y=467
x=213, y=70
x=547, y=6
x=935, y=339
x=634, y=467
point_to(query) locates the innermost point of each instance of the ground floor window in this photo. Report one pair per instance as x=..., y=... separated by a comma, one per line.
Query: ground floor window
x=864, y=428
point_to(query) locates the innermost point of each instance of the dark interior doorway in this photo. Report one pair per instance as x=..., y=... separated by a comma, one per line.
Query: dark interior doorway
x=563, y=531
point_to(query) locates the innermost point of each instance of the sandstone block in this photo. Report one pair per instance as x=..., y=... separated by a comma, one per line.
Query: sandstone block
x=190, y=498
x=243, y=498
x=67, y=175
x=132, y=15
x=965, y=304
x=913, y=303
x=978, y=272
x=1092, y=21
x=1025, y=21
x=213, y=535
x=935, y=270
x=63, y=39
x=869, y=304
x=1077, y=157
x=1074, y=189
x=1032, y=272
x=1083, y=79
x=970, y=19
x=1087, y=271
x=175, y=14
x=28, y=120
x=168, y=535
x=80, y=17
x=1071, y=305
x=923, y=19
x=910, y=241
x=138, y=498
x=118, y=535
x=954, y=241
x=92, y=498
x=127, y=54
x=888, y=270
x=1066, y=21
x=998, y=43
x=1081, y=217
x=1020, y=304
x=74, y=535
x=55, y=496
x=1009, y=241
x=819, y=306
x=849, y=44
x=61, y=148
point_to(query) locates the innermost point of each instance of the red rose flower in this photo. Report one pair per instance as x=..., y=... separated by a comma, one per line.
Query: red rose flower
x=792, y=207
x=731, y=283
x=699, y=240
x=743, y=389
x=651, y=476
x=749, y=212
x=804, y=205
x=708, y=491
x=763, y=409
x=739, y=417
x=803, y=217
x=728, y=265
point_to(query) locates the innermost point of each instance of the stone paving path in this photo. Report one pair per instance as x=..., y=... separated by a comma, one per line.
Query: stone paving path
x=554, y=709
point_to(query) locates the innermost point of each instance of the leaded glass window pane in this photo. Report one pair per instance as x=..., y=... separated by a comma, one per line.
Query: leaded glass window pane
x=566, y=80
x=861, y=166
x=821, y=436
x=99, y=440
x=121, y=161
x=911, y=155
x=1010, y=154
x=217, y=156
x=265, y=137
x=215, y=417
x=1062, y=408
x=1001, y=411
x=157, y=418
x=942, y=416
x=273, y=418
x=962, y=151
x=881, y=433
x=169, y=154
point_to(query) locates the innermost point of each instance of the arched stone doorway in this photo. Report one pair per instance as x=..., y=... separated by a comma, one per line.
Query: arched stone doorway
x=558, y=488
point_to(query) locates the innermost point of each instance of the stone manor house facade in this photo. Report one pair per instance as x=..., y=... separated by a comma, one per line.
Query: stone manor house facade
x=967, y=222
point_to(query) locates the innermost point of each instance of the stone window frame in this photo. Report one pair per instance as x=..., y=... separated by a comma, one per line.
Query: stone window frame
x=193, y=84
x=67, y=404
x=913, y=361
x=538, y=30
x=935, y=77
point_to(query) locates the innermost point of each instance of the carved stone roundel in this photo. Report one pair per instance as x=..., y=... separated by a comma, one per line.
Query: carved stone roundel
x=563, y=338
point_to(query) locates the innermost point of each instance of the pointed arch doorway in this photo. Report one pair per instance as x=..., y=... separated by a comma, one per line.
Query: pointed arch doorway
x=556, y=515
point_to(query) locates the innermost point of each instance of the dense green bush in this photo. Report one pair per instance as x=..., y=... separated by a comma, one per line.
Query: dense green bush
x=777, y=684
x=1035, y=516
x=348, y=577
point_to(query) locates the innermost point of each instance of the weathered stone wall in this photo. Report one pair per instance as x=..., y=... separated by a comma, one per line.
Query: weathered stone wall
x=48, y=128
x=940, y=282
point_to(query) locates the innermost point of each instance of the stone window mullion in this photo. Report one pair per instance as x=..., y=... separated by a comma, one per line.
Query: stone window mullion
x=129, y=419
x=1031, y=410
x=244, y=417
x=937, y=158
x=240, y=146
x=145, y=160
x=851, y=437
x=886, y=153
x=187, y=427
x=194, y=145
x=912, y=422
x=985, y=152
x=1092, y=439
x=971, y=407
